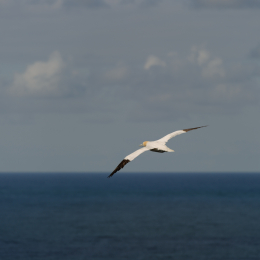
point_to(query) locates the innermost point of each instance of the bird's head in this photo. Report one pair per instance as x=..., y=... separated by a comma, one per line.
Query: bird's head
x=144, y=143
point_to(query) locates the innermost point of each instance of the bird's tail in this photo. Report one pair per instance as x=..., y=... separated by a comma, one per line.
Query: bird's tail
x=169, y=149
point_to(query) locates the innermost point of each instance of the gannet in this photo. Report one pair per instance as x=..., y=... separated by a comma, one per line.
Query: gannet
x=154, y=146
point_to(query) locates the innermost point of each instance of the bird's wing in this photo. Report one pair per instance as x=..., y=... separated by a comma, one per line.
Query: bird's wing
x=166, y=138
x=128, y=159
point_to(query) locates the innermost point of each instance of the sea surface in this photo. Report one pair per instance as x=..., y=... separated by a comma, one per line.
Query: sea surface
x=145, y=216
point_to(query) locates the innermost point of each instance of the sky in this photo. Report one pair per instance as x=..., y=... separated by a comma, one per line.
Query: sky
x=84, y=82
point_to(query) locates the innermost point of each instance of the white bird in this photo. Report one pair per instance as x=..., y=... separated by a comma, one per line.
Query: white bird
x=154, y=146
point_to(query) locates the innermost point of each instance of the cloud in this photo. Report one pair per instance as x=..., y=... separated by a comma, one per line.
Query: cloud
x=41, y=79
x=85, y=3
x=141, y=3
x=176, y=86
x=210, y=67
x=31, y=5
x=153, y=61
x=116, y=74
x=198, y=84
x=203, y=57
x=225, y=3
x=213, y=68
x=50, y=5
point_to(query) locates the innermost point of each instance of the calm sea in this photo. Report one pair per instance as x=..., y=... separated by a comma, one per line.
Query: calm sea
x=130, y=216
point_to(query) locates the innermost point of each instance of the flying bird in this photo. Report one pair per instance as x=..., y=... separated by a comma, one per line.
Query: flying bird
x=157, y=146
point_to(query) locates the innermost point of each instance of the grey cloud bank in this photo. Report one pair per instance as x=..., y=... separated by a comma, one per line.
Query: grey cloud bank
x=198, y=83
x=52, y=5
x=226, y=3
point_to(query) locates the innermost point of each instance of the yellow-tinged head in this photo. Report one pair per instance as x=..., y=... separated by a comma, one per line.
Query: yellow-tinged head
x=144, y=143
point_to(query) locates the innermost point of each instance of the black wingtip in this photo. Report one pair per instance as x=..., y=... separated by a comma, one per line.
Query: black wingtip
x=119, y=167
x=189, y=129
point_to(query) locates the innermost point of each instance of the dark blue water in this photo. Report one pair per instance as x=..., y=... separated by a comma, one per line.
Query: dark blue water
x=130, y=216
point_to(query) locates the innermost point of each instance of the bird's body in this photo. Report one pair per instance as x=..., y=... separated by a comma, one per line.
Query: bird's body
x=158, y=146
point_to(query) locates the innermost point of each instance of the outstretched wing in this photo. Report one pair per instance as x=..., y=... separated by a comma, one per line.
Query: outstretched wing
x=128, y=159
x=166, y=138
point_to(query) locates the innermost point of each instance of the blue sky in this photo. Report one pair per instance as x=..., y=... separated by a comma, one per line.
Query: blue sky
x=83, y=83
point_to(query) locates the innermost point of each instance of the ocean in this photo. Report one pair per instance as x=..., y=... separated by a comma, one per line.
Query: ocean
x=137, y=216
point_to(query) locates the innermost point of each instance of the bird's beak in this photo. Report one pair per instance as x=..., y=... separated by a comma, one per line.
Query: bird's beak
x=141, y=145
